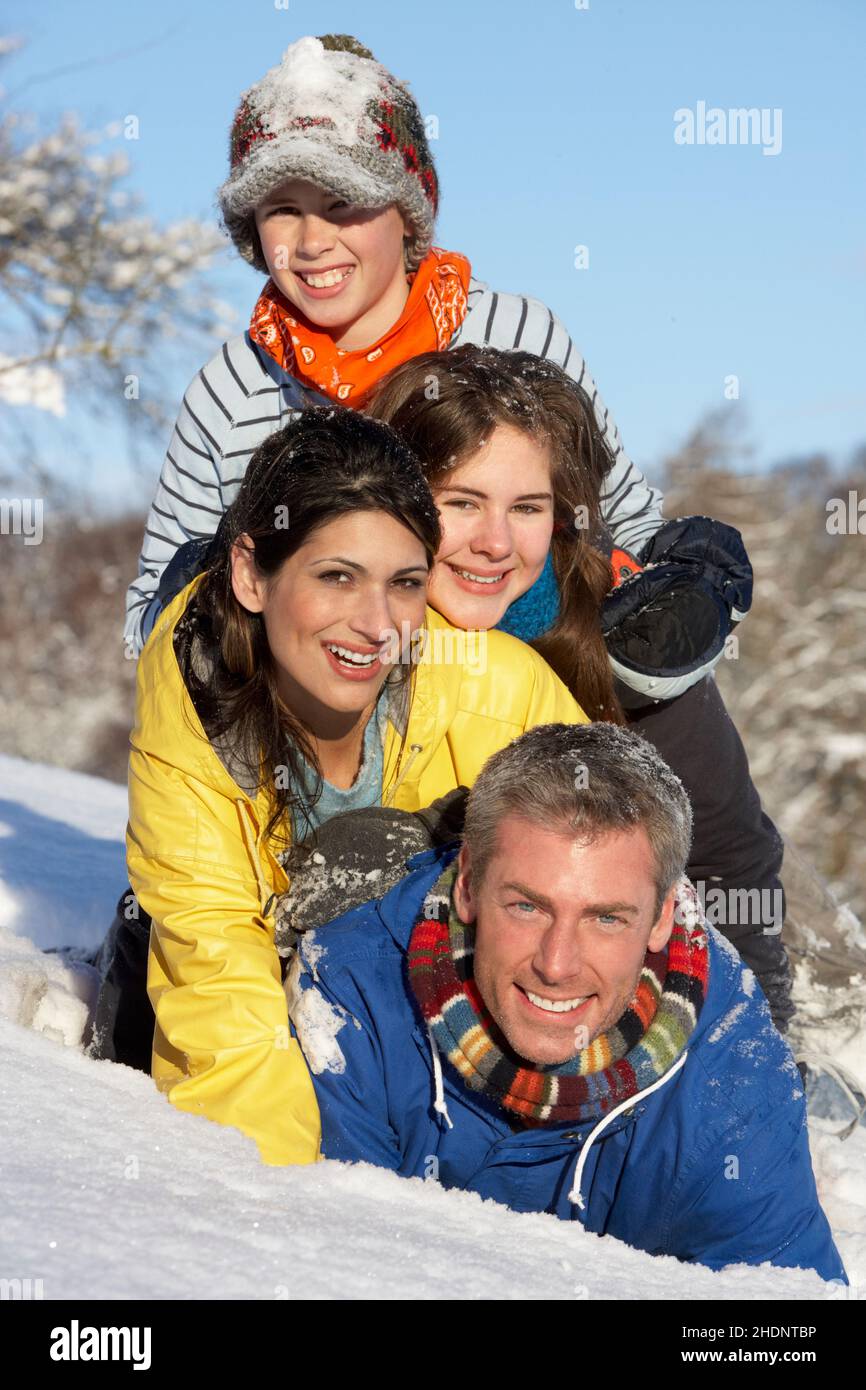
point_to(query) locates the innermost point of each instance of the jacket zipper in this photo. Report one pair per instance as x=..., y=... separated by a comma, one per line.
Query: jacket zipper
x=416, y=748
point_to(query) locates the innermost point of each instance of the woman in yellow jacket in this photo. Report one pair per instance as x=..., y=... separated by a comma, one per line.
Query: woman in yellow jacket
x=301, y=674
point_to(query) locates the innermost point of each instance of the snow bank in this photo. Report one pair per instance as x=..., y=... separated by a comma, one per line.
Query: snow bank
x=62, y=859
x=116, y=1195
x=110, y=1193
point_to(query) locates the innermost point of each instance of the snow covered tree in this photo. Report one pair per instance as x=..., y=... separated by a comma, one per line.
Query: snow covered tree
x=94, y=295
x=92, y=289
x=795, y=677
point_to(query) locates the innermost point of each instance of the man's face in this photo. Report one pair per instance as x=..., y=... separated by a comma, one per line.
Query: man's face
x=562, y=928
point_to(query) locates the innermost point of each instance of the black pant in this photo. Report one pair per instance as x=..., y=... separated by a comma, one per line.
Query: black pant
x=735, y=845
x=124, y=1020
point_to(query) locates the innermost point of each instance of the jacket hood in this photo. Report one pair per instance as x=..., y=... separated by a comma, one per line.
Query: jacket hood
x=166, y=723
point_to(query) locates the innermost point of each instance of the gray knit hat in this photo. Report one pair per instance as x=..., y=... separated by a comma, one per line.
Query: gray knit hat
x=329, y=113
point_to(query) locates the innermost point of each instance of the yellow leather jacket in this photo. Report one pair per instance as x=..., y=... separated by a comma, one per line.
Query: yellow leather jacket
x=201, y=866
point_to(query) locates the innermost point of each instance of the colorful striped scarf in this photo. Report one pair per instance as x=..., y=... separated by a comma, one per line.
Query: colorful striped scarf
x=641, y=1047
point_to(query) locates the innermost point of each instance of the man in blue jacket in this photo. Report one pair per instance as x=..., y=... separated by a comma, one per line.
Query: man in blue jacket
x=542, y=1015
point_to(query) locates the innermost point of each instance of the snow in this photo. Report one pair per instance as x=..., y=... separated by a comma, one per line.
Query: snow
x=726, y=1023
x=840, y=749
x=62, y=859
x=40, y=386
x=317, y=1022
x=313, y=82
x=107, y=1188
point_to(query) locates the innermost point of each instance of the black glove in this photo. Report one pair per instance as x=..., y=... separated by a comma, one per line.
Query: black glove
x=665, y=627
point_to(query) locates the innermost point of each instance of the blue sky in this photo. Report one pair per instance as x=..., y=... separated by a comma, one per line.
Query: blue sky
x=556, y=129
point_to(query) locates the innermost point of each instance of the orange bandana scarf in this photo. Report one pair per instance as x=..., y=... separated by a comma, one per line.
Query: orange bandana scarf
x=433, y=312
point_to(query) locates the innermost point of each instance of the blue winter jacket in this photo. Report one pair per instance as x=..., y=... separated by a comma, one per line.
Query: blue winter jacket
x=711, y=1165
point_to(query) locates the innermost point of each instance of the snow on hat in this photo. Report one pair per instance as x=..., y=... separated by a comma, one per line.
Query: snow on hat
x=329, y=113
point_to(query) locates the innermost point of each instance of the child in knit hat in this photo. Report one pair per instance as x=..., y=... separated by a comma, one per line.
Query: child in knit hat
x=333, y=193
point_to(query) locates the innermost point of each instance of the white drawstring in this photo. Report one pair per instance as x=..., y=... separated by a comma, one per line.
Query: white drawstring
x=439, y=1104
x=575, y=1195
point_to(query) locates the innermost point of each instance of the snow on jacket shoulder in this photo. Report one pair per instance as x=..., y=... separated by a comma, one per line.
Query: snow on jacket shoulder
x=713, y=1166
x=201, y=867
x=241, y=396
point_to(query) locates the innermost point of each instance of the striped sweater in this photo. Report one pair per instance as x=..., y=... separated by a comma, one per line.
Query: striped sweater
x=241, y=396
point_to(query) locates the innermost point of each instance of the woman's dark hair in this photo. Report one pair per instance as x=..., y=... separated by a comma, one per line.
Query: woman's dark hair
x=327, y=463
x=445, y=405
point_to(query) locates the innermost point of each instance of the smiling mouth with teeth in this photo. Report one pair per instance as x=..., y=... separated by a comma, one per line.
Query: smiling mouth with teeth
x=554, y=1006
x=352, y=658
x=480, y=578
x=324, y=282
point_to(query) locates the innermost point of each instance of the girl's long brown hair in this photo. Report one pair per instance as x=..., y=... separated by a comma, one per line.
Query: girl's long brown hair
x=326, y=463
x=446, y=404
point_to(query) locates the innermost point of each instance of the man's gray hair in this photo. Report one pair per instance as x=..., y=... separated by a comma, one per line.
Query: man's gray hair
x=586, y=778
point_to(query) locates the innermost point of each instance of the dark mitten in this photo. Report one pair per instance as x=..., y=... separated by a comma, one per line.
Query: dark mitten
x=665, y=626
x=356, y=857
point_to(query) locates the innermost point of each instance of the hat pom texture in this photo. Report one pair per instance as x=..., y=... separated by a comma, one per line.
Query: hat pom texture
x=331, y=114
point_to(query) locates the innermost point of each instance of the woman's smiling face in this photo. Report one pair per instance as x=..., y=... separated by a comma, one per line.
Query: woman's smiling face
x=337, y=609
x=496, y=511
